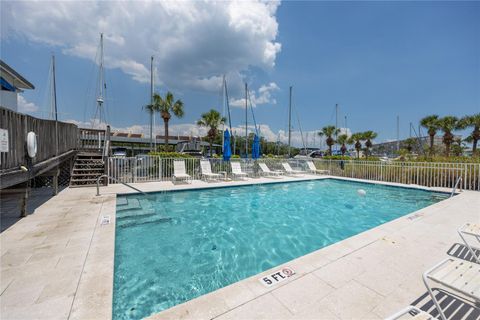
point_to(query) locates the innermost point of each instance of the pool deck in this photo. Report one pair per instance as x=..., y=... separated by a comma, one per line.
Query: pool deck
x=58, y=264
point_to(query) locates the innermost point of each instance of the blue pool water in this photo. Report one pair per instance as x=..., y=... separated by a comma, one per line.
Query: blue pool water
x=175, y=246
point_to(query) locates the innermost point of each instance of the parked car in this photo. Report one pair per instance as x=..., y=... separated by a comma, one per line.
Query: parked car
x=310, y=155
x=120, y=152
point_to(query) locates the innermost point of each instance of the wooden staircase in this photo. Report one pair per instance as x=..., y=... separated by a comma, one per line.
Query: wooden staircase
x=87, y=168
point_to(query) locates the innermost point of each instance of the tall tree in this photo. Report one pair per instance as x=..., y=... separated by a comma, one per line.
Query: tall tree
x=472, y=121
x=448, y=124
x=409, y=144
x=212, y=120
x=169, y=105
x=431, y=124
x=369, y=136
x=328, y=132
x=342, y=139
x=356, y=140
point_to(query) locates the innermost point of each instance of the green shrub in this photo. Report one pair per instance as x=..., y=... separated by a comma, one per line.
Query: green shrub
x=337, y=158
x=458, y=159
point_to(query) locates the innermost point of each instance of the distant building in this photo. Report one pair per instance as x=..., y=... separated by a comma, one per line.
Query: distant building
x=390, y=148
x=12, y=83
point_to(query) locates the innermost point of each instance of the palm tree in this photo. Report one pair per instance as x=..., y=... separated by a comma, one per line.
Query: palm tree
x=431, y=124
x=447, y=125
x=211, y=119
x=369, y=136
x=329, y=131
x=167, y=106
x=151, y=109
x=342, y=139
x=409, y=144
x=356, y=139
x=474, y=122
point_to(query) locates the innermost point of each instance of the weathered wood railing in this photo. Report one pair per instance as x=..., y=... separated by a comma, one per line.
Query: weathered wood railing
x=49, y=133
x=95, y=140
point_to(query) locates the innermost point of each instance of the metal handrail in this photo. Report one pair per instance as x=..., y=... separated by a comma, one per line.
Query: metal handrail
x=455, y=186
x=125, y=184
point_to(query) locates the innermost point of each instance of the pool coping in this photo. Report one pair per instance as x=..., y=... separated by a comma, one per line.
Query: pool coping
x=90, y=295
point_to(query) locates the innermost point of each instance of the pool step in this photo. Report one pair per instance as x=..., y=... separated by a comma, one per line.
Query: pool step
x=130, y=204
x=146, y=219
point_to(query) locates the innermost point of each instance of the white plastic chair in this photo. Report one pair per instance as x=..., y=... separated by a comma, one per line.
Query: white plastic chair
x=414, y=312
x=237, y=170
x=289, y=170
x=459, y=275
x=207, y=171
x=179, y=171
x=269, y=173
x=313, y=169
x=471, y=230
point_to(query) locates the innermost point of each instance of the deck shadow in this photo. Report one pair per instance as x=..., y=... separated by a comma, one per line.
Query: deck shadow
x=10, y=204
x=460, y=251
x=453, y=306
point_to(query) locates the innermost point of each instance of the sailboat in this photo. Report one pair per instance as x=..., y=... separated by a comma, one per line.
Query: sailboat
x=100, y=115
x=226, y=105
x=53, y=102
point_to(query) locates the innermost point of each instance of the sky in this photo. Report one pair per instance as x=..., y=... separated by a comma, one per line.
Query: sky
x=376, y=60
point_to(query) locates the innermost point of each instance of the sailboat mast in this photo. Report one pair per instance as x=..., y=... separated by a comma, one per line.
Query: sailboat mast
x=54, y=91
x=228, y=104
x=246, y=121
x=336, y=125
x=151, y=102
x=101, y=84
x=223, y=113
x=101, y=65
x=398, y=132
x=289, y=121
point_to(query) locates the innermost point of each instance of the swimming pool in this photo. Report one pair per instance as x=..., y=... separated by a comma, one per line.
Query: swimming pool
x=172, y=247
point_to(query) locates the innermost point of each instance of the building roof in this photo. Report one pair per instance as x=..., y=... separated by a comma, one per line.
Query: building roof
x=146, y=141
x=19, y=81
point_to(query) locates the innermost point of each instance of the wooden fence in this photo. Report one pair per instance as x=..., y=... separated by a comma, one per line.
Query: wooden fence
x=18, y=126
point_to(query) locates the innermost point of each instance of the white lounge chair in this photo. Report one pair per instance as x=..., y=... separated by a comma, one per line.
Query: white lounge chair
x=179, y=172
x=471, y=230
x=207, y=171
x=289, y=170
x=414, y=312
x=237, y=170
x=269, y=173
x=313, y=169
x=459, y=275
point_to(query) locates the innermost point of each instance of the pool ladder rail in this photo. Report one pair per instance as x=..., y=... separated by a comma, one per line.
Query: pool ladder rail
x=125, y=184
x=459, y=179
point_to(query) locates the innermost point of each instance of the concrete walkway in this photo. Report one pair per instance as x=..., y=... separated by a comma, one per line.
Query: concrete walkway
x=58, y=264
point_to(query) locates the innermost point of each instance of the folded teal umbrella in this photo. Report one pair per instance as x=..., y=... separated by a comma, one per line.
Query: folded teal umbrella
x=227, y=152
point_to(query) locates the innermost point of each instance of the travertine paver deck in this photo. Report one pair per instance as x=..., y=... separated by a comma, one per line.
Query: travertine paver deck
x=58, y=264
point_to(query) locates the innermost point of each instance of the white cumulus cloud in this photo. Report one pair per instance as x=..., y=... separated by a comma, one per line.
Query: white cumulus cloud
x=25, y=106
x=193, y=42
x=264, y=95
